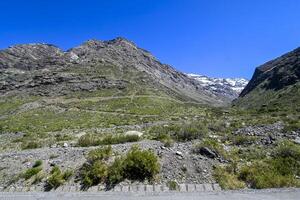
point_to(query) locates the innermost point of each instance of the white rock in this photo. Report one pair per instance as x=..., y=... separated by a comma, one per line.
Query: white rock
x=134, y=133
x=179, y=153
x=65, y=145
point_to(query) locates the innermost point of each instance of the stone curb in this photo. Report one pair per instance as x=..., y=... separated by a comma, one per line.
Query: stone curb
x=207, y=187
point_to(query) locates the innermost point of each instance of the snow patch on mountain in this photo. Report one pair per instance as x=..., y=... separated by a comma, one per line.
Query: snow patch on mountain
x=230, y=87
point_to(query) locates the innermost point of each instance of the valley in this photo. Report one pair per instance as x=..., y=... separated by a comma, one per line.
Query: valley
x=100, y=113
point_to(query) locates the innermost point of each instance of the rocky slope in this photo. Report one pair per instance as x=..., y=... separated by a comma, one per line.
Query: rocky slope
x=229, y=87
x=43, y=69
x=275, y=83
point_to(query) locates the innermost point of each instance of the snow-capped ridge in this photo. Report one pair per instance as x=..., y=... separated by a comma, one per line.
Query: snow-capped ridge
x=231, y=87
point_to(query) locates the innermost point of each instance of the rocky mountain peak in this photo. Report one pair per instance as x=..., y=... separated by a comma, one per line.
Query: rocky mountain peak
x=30, y=56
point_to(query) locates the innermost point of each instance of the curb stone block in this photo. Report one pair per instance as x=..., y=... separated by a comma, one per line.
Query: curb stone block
x=191, y=187
x=200, y=188
x=125, y=188
x=134, y=188
x=157, y=188
x=18, y=189
x=208, y=187
x=182, y=188
x=32, y=189
x=11, y=189
x=149, y=188
x=117, y=188
x=216, y=187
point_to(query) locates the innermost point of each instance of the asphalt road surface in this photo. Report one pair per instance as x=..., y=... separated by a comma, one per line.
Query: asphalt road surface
x=273, y=194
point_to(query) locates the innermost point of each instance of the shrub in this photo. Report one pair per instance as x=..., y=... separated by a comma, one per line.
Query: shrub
x=95, y=170
x=31, y=172
x=116, y=171
x=57, y=178
x=102, y=153
x=94, y=173
x=140, y=164
x=179, y=132
x=227, y=179
x=137, y=164
x=38, y=178
x=87, y=140
x=118, y=139
x=278, y=171
x=93, y=140
x=173, y=185
x=263, y=175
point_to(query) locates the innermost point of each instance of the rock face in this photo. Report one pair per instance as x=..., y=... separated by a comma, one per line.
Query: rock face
x=229, y=87
x=273, y=82
x=45, y=69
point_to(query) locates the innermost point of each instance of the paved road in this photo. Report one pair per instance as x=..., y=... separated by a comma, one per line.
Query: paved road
x=279, y=194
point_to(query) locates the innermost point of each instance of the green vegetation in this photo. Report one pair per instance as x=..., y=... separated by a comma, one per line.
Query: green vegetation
x=36, y=168
x=227, y=179
x=107, y=139
x=173, y=185
x=178, y=132
x=281, y=169
x=137, y=164
x=57, y=178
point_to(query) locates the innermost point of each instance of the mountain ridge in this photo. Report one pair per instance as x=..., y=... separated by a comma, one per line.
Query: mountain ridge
x=274, y=83
x=97, y=55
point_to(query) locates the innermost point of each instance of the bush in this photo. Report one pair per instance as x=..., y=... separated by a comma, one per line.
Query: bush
x=57, y=178
x=118, y=139
x=31, y=172
x=278, y=171
x=140, y=164
x=173, y=185
x=116, y=171
x=93, y=140
x=137, y=164
x=94, y=173
x=102, y=153
x=87, y=140
x=95, y=170
x=264, y=175
x=227, y=179
x=179, y=132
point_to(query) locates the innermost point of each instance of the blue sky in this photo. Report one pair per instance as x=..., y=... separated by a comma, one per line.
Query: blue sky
x=220, y=38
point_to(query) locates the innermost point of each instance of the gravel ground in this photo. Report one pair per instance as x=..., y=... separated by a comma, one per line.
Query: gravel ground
x=177, y=162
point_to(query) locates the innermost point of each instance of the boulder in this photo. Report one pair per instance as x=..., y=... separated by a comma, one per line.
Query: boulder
x=140, y=134
x=205, y=151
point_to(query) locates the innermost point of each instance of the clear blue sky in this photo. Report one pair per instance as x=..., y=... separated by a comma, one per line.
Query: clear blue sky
x=220, y=38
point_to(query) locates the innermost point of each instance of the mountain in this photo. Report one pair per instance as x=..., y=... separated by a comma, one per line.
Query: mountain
x=274, y=84
x=229, y=87
x=43, y=69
